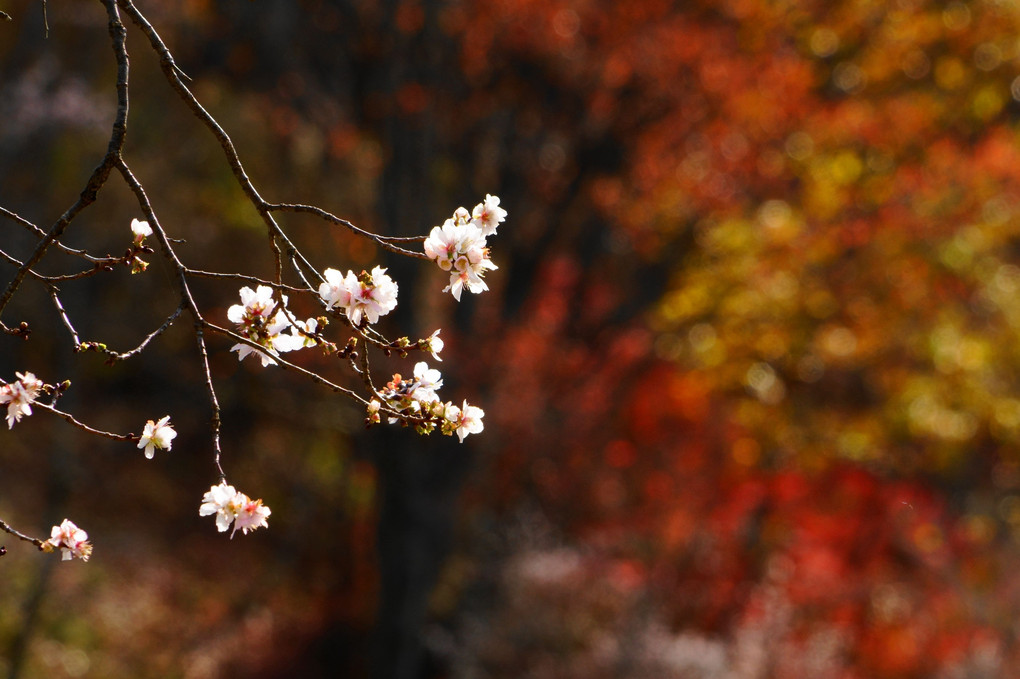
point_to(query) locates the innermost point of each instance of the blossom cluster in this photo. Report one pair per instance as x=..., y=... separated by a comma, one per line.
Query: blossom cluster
x=259, y=320
x=19, y=396
x=418, y=397
x=70, y=540
x=413, y=396
x=367, y=296
x=458, y=246
x=232, y=507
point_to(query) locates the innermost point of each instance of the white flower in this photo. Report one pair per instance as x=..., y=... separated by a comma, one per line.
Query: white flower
x=488, y=215
x=370, y=295
x=426, y=381
x=140, y=229
x=433, y=344
x=336, y=291
x=373, y=410
x=157, y=436
x=259, y=320
x=258, y=303
x=243, y=350
x=230, y=506
x=71, y=540
x=300, y=336
x=470, y=278
x=19, y=397
x=441, y=245
x=464, y=421
x=221, y=500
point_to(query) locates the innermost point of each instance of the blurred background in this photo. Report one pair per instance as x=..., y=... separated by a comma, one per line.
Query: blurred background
x=750, y=363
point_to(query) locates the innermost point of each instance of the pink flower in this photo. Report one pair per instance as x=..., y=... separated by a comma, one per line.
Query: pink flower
x=71, y=540
x=251, y=516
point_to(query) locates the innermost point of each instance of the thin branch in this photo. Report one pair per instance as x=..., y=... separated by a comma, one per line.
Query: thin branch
x=63, y=316
x=97, y=268
x=385, y=242
x=68, y=417
x=283, y=363
x=243, y=277
x=366, y=373
x=5, y=527
x=121, y=356
x=216, y=421
x=13, y=216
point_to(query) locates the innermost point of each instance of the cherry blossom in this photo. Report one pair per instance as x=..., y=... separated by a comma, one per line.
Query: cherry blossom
x=433, y=344
x=458, y=246
x=259, y=320
x=71, y=540
x=220, y=500
x=157, y=436
x=303, y=333
x=336, y=291
x=373, y=411
x=251, y=516
x=470, y=277
x=140, y=229
x=231, y=506
x=443, y=244
x=19, y=396
x=369, y=295
x=488, y=214
x=464, y=420
x=410, y=395
x=426, y=381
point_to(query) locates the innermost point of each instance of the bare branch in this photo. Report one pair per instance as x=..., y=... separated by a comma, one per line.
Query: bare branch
x=63, y=248
x=121, y=356
x=245, y=278
x=63, y=316
x=5, y=527
x=68, y=417
x=385, y=242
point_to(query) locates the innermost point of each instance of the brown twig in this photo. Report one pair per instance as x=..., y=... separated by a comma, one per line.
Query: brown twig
x=5, y=527
x=68, y=417
x=385, y=242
